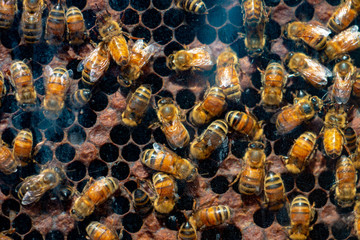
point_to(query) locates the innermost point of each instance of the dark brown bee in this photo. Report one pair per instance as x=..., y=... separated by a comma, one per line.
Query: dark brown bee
x=245, y=123
x=137, y=106
x=291, y=116
x=350, y=138
x=313, y=34
x=274, y=191
x=141, y=202
x=75, y=26
x=193, y=6
x=55, y=25
x=345, y=187
x=31, y=26
x=8, y=163
x=344, y=71
x=301, y=214
x=212, y=106
x=300, y=153
x=8, y=9
x=343, y=16
x=212, y=137
x=273, y=82
x=98, y=231
x=80, y=97
x=22, y=146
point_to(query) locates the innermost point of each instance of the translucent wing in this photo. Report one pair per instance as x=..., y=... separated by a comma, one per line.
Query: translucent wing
x=319, y=29
x=99, y=63
x=316, y=72
x=48, y=71
x=34, y=193
x=348, y=39
x=140, y=48
x=202, y=56
x=158, y=147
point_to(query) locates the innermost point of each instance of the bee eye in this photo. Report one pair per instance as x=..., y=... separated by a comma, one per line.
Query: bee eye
x=313, y=100
x=253, y=145
x=261, y=146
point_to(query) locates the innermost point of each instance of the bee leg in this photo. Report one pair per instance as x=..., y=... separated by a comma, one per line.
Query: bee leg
x=235, y=180
x=154, y=125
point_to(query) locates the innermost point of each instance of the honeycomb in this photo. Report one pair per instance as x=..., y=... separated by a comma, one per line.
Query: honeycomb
x=92, y=142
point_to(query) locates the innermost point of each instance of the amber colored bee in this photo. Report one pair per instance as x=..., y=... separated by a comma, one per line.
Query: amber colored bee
x=344, y=72
x=56, y=86
x=350, y=138
x=291, y=116
x=300, y=153
x=166, y=189
x=193, y=6
x=31, y=26
x=245, y=123
x=345, y=186
x=3, y=234
x=34, y=187
x=356, y=85
x=187, y=232
x=273, y=80
x=344, y=42
x=141, y=202
x=23, y=82
x=274, y=191
x=163, y=159
x=80, y=97
x=33, y=6
x=75, y=26
x=22, y=146
x=199, y=58
x=213, y=105
x=171, y=120
x=310, y=69
x=212, y=137
x=301, y=214
x=55, y=25
x=112, y=34
x=8, y=9
x=94, y=66
x=343, y=16
x=357, y=218
x=254, y=10
x=227, y=76
x=94, y=194
x=334, y=140
x=139, y=57
x=137, y=106
x=98, y=231
x=2, y=86
x=8, y=163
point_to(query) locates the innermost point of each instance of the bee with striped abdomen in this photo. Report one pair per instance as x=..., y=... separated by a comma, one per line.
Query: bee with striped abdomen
x=300, y=153
x=31, y=26
x=8, y=9
x=94, y=194
x=22, y=80
x=137, y=106
x=344, y=71
x=345, y=184
x=254, y=11
x=192, y=6
x=213, y=105
x=141, y=202
x=213, y=136
x=56, y=85
x=80, y=97
x=55, y=25
x=301, y=214
x=162, y=159
x=274, y=191
x=187, y=232
x=245, y=123
x=75, y=26
x=344, y=14
x=166, y=190
x=22, y=146
x=98, y=231
x=8, y=163
x=350, y=138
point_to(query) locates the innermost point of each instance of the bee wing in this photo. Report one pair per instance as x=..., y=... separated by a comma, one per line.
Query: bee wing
x=314, y=67
x=99, y=65
x=32, y=196
x=146, y=51
x=48, y=71
x=81, y=64
x=319, y=29
x=158, y=147
x=348, y=38
x=203, y=51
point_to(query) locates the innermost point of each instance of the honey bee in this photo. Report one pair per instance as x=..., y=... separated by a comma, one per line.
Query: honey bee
x=137, y=106
x=166, y=189
x=344, y=42
x=34, y=187
x=139, y=57
x=2, y=86
x=22, y=146
x=313, y=34
x=94, y=66
x=310, y=69
x=23, y=82
x=3, y=234
x=80, y=97
x=255, y=39
x=203, y=146
x=75, y=26
x=245, y=123
x=251, y=178
x=344, y=72
x=141, y=202
x=98, y=231
x=356, y=85
x=301, y=214
x=8, y=9
x=112, y=34
x=33, y=6
x=31, y=26
x=163, y=159
x=334, y=140
x=345, y=188
x=94, y=194
x=227, y=76
x=171, y=120
x=300, y=153
x=213, y=105
x=343, y=16
x=187, y=232
x=357, y=218
x=56, y=86
x=274, y=191
x=55, y=25
x=273, y=80
x=254, y=10
x=164, y=205
x=8, y=163
x=350, y=138
x=199, y=58
x=192, y=6
x=356, y=156
x=304, y=108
